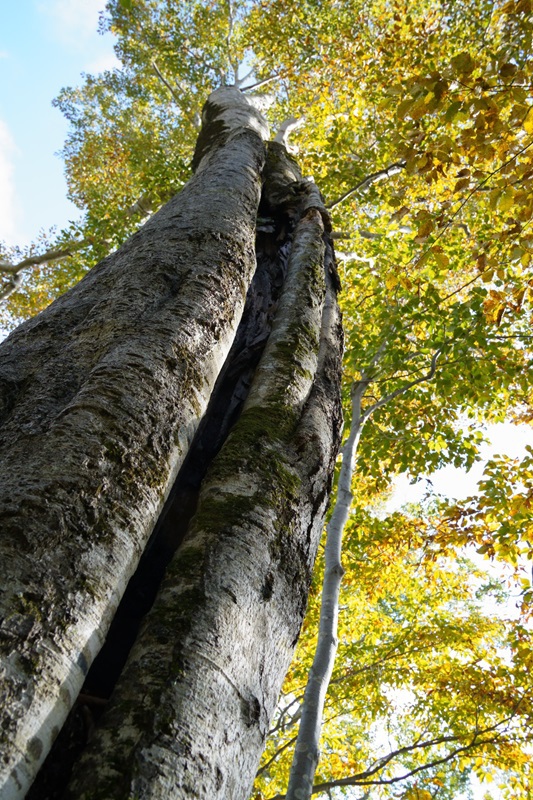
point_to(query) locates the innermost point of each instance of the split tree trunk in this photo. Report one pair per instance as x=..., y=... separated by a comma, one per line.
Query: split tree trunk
x=102, y=394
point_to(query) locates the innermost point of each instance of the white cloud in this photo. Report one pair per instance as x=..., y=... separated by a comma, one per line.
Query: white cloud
x=101, y=63
x=73, y=21
x=4, y=54
x=8, y=221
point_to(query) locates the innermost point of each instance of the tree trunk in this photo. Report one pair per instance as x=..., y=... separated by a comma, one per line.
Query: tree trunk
x=102, y=395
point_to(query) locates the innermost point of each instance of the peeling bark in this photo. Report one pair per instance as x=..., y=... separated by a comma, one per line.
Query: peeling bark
x=98, y=419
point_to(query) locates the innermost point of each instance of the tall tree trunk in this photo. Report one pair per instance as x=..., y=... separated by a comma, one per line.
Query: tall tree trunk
x=102, y=394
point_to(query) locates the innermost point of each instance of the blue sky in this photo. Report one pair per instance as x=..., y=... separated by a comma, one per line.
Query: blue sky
x=44, y=45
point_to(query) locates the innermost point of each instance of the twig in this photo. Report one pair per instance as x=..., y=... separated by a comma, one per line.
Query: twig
x=365, y=778
x=463, y=203
x=405, y=388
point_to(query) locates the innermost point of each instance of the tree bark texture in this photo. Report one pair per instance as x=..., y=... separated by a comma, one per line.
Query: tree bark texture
x=102, y=395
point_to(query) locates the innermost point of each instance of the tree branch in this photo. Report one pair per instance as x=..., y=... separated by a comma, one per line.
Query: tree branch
x=285, y=713
x=478, y=187
x=402, y=389
x=356, y=781
x=11, y=286
x=275, y=755
x=164, y=80
x=286, y=128
x=144, y=206
x=240, y=81
x=44, y=258
x=380, y=175
x=365, y=778
x=307, y=752
x=276, y=76
x=193, y=118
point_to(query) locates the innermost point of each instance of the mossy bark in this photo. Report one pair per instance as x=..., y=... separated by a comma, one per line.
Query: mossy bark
x=189, y=714
x=100, y=396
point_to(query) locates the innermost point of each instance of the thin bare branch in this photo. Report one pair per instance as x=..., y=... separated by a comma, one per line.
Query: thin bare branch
x=367, y=777
x=478, y=187
x=360, y=781
x=405, y=388
x=285, y=713
x=144, y=206
x=45, y=258
x=278, y=752
x=163, y=80
x=380, y=175
x=231, y=22
x=275, y=77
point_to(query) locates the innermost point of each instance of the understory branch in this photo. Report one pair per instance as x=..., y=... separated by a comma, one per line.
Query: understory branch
x=307, y=752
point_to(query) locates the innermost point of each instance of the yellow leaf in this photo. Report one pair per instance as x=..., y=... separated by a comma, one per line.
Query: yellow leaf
x=508, y=69
x=403, y=108
x=506, y=200
x=463, y=63
x=461, y=184
x=441, y=259
x=424, y=231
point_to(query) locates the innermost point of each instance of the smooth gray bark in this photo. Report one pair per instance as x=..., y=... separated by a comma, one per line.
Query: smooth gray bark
x=307, y=751
x=190, y=714
x=100, y=396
